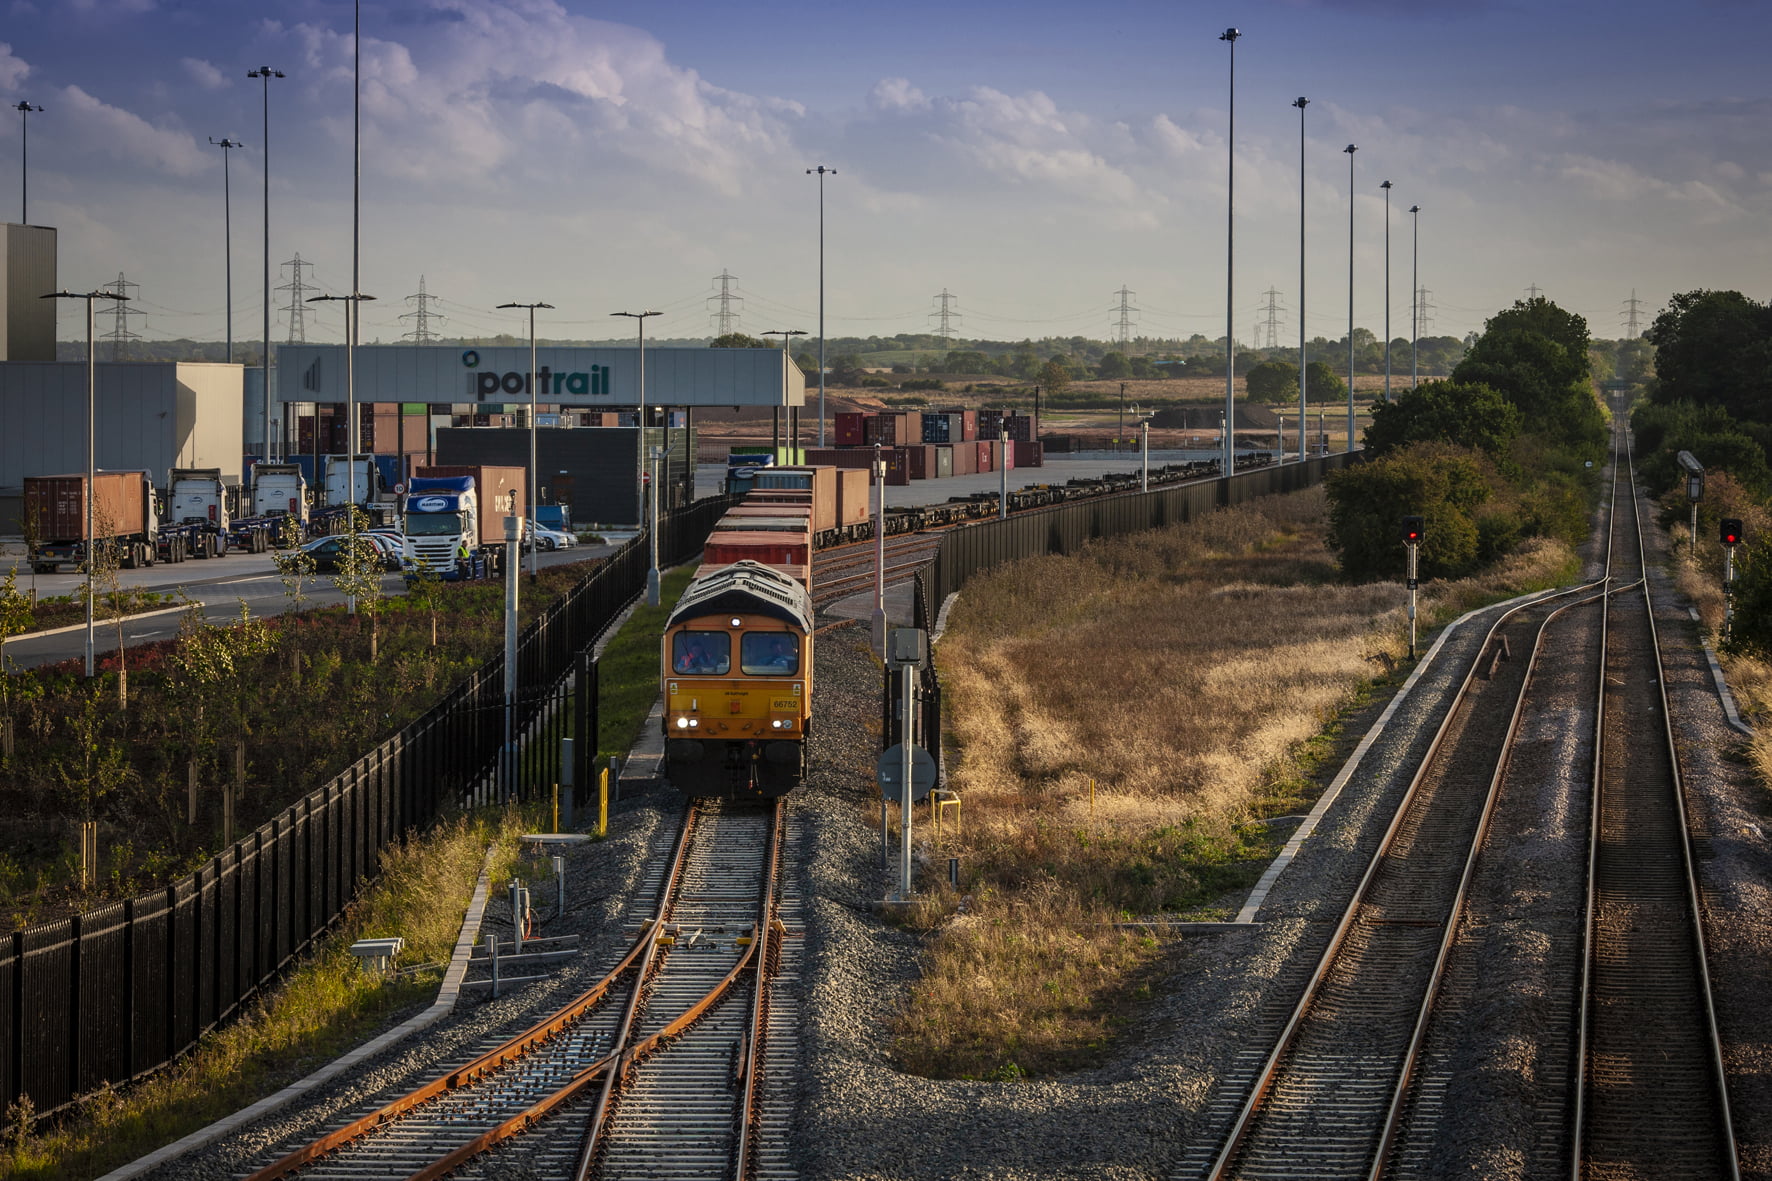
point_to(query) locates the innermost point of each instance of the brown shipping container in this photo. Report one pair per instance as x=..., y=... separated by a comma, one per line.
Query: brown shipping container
x=492, y=485
x=1030, y=454
x=965, y=459
x=851, y=429
x=853, y=501
x=60, y=505
x=921, y=460
x=824, y=493
x=845, y=457
x=898, y=466
x=771, y=549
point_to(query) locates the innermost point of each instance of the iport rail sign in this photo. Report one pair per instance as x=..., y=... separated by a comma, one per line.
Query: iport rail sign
x=575, y=378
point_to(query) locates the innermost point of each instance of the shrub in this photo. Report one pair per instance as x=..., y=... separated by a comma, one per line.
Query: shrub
x=1446, y=485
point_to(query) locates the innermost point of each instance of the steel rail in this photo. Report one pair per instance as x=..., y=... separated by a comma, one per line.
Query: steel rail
x=751, y=1053
x=1717, y=1070
x=1270, y=1068
x=1393, y=1118
x=625, y=1057
x=502, y=1055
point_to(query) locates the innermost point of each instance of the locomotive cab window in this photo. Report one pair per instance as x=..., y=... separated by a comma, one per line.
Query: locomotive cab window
x=707, y=654
x=769, y=654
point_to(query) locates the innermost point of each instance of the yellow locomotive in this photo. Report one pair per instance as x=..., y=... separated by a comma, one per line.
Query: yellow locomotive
x=737, y=679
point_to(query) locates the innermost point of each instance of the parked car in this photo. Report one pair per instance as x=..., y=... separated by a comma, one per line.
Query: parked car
x=325, y=550
x=548, y=539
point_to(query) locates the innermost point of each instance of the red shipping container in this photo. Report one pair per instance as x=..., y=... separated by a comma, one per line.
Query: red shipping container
x=968, y=425
x=851, y=429
x=1030, y=454
x=771, y=549
x=1007, y=451
x=984, y=456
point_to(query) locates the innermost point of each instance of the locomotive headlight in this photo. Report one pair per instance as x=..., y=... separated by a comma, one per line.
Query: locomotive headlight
x=682, y=723
x=694, y=722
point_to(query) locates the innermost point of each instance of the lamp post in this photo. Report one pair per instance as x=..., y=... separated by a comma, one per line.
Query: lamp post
x=1414, y=297
x=534, y=572
x=1301, y=103
x=267, y=73
x=91, y=418
x=352, y=304
x=1230, y=229
x=1386, y=186
x=787, y=339
x=639, y=319
x=25, y=111
x=822, y=172
x=225, y=144
x=1350, y=150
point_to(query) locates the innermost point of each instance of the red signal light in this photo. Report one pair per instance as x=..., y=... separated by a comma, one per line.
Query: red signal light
x=1731, y=531
x=1413, y=529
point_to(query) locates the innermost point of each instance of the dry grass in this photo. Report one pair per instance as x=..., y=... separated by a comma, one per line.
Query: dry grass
x=1120, y=718
x=324, y=1008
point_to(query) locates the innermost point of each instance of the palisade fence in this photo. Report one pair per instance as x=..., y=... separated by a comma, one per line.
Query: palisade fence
x=119, y=991
x=1065, y=529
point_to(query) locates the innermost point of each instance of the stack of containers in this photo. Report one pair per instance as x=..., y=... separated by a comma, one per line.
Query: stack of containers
x=853, y=503
x=820, y=481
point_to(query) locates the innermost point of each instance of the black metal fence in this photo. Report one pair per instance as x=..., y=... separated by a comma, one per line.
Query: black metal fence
x=1065, y=529
x=114, y=993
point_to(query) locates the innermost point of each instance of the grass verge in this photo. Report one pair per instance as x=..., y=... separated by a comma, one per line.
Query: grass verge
x=325, y=1007
x=627, y=673
x=1127, y=720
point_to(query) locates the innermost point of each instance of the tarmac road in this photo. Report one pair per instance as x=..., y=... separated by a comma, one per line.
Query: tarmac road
x=219, y=584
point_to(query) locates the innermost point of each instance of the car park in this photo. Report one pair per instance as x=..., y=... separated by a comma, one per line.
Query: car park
x=325, y=551
x=548, y=539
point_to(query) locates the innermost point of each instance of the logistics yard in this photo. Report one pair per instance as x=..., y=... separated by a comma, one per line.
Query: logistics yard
x=678, y=596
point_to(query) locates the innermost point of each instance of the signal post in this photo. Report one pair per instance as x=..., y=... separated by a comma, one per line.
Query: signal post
x=1413, y=529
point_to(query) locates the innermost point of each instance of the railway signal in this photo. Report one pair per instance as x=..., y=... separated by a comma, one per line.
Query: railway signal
x=1694, y=493
x=1730, y=535
x=1413, y=530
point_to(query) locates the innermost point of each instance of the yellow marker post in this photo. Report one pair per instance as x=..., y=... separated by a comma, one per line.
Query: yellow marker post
x=556, y=807
x=603, y=802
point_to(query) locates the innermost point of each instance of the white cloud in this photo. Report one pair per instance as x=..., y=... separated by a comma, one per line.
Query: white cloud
x=13, y=70
x=897, y=94
x=100, y=127
x=203, y=74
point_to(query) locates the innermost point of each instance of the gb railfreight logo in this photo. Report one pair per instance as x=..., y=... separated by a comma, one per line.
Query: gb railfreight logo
x=486, y=384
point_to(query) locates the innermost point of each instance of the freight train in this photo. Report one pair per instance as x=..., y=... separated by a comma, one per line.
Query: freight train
x=736, y=656
x=737, y=653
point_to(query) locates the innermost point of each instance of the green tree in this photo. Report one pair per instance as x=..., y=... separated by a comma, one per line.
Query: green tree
x=1055, y=375
x=738, y=340
x=1444, y=412
x=1273, y=380
x=1114, y=366
x=16, y=614
x=1367, y=503
x=358, y=575
x=1323, y=382
x=1716, y=440
x=1714, y=348
x=1536, y=355
x=965, y=361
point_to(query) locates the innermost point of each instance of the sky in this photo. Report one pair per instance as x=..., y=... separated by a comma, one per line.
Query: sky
x=1032, y=159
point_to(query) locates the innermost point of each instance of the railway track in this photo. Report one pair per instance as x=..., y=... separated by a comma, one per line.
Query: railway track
x=846, y=570
x=1651, y=1098
x=672, y=1064
x=1350, y=1088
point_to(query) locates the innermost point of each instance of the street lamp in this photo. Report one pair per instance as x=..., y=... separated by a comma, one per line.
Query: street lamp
x=353, y=311
x=822, y=172
x=1350, y=150
x=225, y=144
x=91, y=418
x=534, y=573
x=1230, y=228
x=787, y=339
x=1386, y=186
x=639, y=319
x=1301, y=103
x=25, y=111
x=267, y=73
x=1414, y=297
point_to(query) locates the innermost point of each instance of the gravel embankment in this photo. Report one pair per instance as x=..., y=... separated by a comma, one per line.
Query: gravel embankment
x=1159, y=1107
